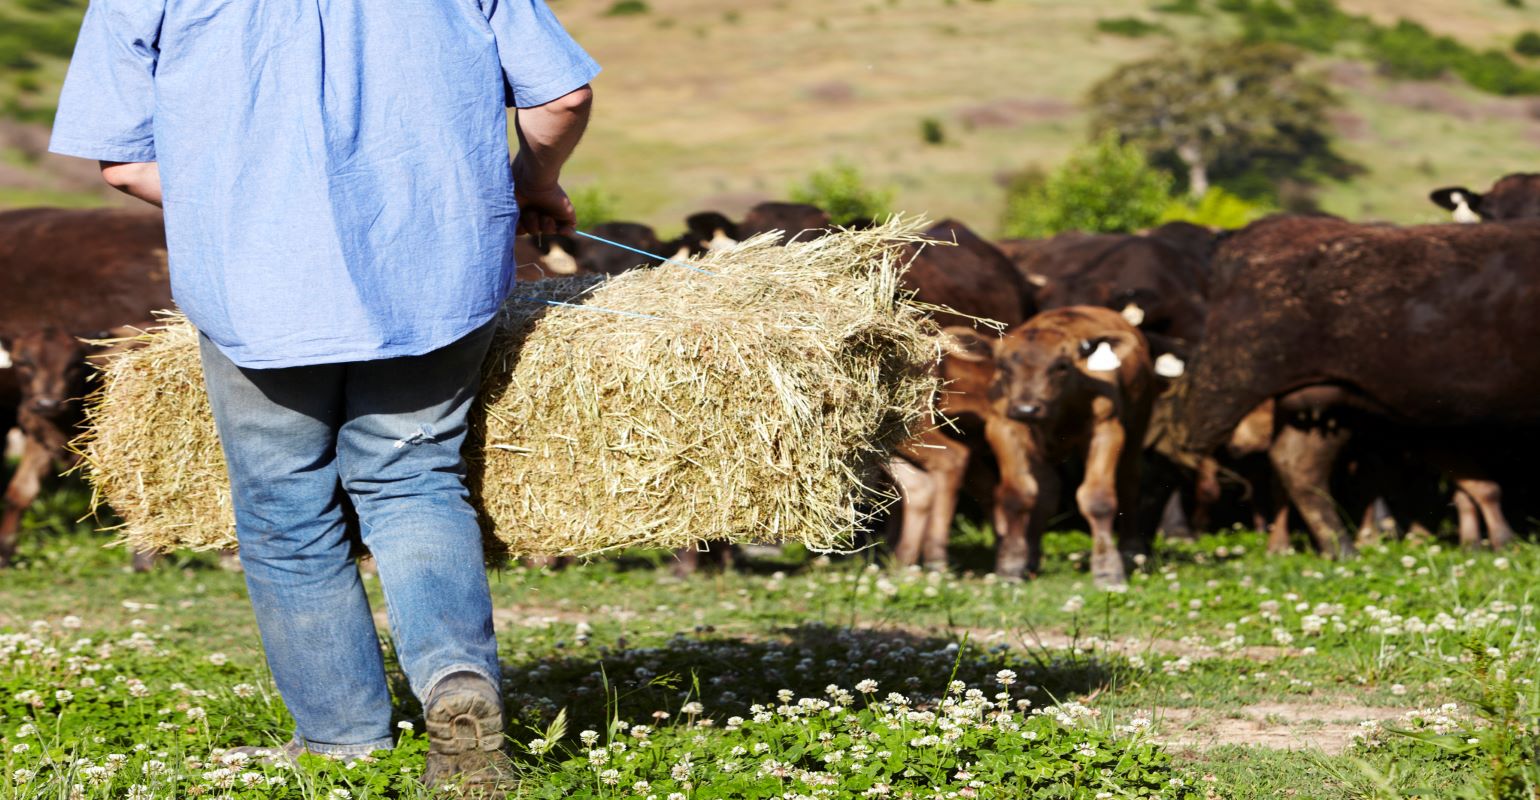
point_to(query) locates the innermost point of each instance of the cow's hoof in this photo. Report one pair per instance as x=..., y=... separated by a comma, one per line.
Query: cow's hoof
x=1010, y=570
x=144, y=562
x=936, y=566
x=1107, y=572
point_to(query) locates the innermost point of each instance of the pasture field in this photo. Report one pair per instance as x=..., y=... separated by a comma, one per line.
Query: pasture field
x=1219, y=673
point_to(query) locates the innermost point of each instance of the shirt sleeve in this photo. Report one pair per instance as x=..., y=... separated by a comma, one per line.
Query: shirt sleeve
x=541, y=62
x=107, y=108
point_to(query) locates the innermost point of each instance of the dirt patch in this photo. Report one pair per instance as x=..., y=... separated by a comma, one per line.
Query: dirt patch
x=1009, y=113
x=1277, y=726
x=836, y=92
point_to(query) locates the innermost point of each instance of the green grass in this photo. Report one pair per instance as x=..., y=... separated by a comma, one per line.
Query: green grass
x=1213, y=648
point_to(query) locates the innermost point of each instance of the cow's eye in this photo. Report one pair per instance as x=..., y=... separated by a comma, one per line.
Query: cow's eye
x=1087, y=347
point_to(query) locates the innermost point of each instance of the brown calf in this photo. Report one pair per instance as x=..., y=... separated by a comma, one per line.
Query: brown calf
x=1078, y=384
x=50, y=370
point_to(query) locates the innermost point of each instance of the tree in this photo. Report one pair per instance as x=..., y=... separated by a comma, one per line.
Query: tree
x=1230, y=107
x=1106, y=188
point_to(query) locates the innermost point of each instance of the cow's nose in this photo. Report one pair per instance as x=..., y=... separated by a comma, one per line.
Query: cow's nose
x=1021, y=412
x=45, y=405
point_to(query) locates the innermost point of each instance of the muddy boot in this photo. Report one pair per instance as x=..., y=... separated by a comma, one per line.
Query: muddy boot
x=464, y=716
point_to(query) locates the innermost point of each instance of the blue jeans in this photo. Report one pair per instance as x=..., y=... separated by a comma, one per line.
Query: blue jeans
x=300, y=444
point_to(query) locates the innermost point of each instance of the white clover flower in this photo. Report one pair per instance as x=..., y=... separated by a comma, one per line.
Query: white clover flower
x=1397, y=689
x=23, y=775
x=538, y=746
x=641, y=787
x=196, y=713
x=340, y=794
x=692, y=709
x=139, y=792
x=20, y=748
x=610, y=777
x=867, y=686
x=589, y=738
x=1501, y=562
x=1005, y=677
x=1073, y=605
x=218, y=659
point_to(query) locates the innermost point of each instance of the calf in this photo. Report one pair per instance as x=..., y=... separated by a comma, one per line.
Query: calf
x=50, y=371
x=799, y=221
x=1079, y=385
x=1515, y=196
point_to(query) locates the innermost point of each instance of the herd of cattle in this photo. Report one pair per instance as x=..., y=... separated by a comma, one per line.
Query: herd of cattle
x=1364, y=377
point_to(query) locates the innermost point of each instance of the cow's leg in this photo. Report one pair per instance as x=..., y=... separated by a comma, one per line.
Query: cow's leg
x=948, y=467
x=917, y=492
x=1098, y=501
x=1278, y=529
x=1132, y=542
x=1016, y=499
x=1206, y=493
x=1304, y=460
x=686, y=561
x=1488, y=497
x=23, y=488
x=1470, y=520
x=144, y=560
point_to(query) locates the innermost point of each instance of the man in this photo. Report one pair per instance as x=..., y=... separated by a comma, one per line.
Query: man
x=340, y=211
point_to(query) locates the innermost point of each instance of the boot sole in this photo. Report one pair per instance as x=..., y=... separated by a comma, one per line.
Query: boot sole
x=464, y=722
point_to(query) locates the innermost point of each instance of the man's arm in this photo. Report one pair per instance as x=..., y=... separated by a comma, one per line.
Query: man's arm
x=548, y=134
x=139, y=179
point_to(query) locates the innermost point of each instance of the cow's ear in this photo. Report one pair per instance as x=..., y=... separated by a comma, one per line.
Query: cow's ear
x=968, y=344
x=1108, y=351
x=1449, y=197
x=5, y=353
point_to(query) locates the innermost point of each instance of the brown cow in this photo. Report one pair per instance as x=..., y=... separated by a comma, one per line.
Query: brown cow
x=50, y=369
x=979, y=285
x=1424, y=329
x=1079, y=385
x=798, y=221
x=65, y=273
x=1515, y=196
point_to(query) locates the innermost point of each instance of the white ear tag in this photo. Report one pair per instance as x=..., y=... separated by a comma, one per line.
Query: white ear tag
x=1169, y=366
x=1463, y=213
x=1103, y=359
x=560, y=261
x=5, y=358
x=1134, y=314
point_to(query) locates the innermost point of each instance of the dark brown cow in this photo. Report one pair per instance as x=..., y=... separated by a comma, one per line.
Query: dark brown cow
x=1427, y=329
x=797, y=220
x=66, y=273
x=1078, y=385
x=1515, y=196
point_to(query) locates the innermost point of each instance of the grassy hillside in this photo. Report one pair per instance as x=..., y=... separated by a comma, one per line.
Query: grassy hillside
x=706, y=104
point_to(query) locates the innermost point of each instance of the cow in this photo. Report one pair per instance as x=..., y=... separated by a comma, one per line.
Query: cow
x=49, y=366
x=798, y=221
x=1071, y=384
x=65, y=273
x=1425, y=329
x=968, y=283
x=711, y=230
x=550, y=255
x=1515, y=196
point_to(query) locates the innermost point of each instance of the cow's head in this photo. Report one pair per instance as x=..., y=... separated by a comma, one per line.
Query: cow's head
x=1044, y=374
x=50, y=369
x=712, y=230
x=1515, y=196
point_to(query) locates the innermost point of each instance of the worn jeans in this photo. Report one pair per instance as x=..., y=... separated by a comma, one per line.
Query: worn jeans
x=314, y=450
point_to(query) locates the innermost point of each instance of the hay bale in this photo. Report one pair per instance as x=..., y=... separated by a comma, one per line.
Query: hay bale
x=752, y=405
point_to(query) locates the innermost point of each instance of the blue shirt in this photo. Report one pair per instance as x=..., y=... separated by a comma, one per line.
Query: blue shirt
x=335, y=173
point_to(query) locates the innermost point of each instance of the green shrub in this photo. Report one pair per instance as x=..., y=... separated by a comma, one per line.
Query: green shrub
x=1132, y=27
x=843, y=194
x=1217, y=209
x=594, y=206
x=1528, y=44
x=1180, y=7
x=931, y=131
x=627, y=8
x=1108, y=187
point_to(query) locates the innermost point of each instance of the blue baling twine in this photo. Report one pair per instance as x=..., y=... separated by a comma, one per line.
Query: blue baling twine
x=645, y=253
x=638, y=252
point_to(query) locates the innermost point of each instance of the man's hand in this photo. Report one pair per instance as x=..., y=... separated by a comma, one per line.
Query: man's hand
x=547, y=135
x=543, y=209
